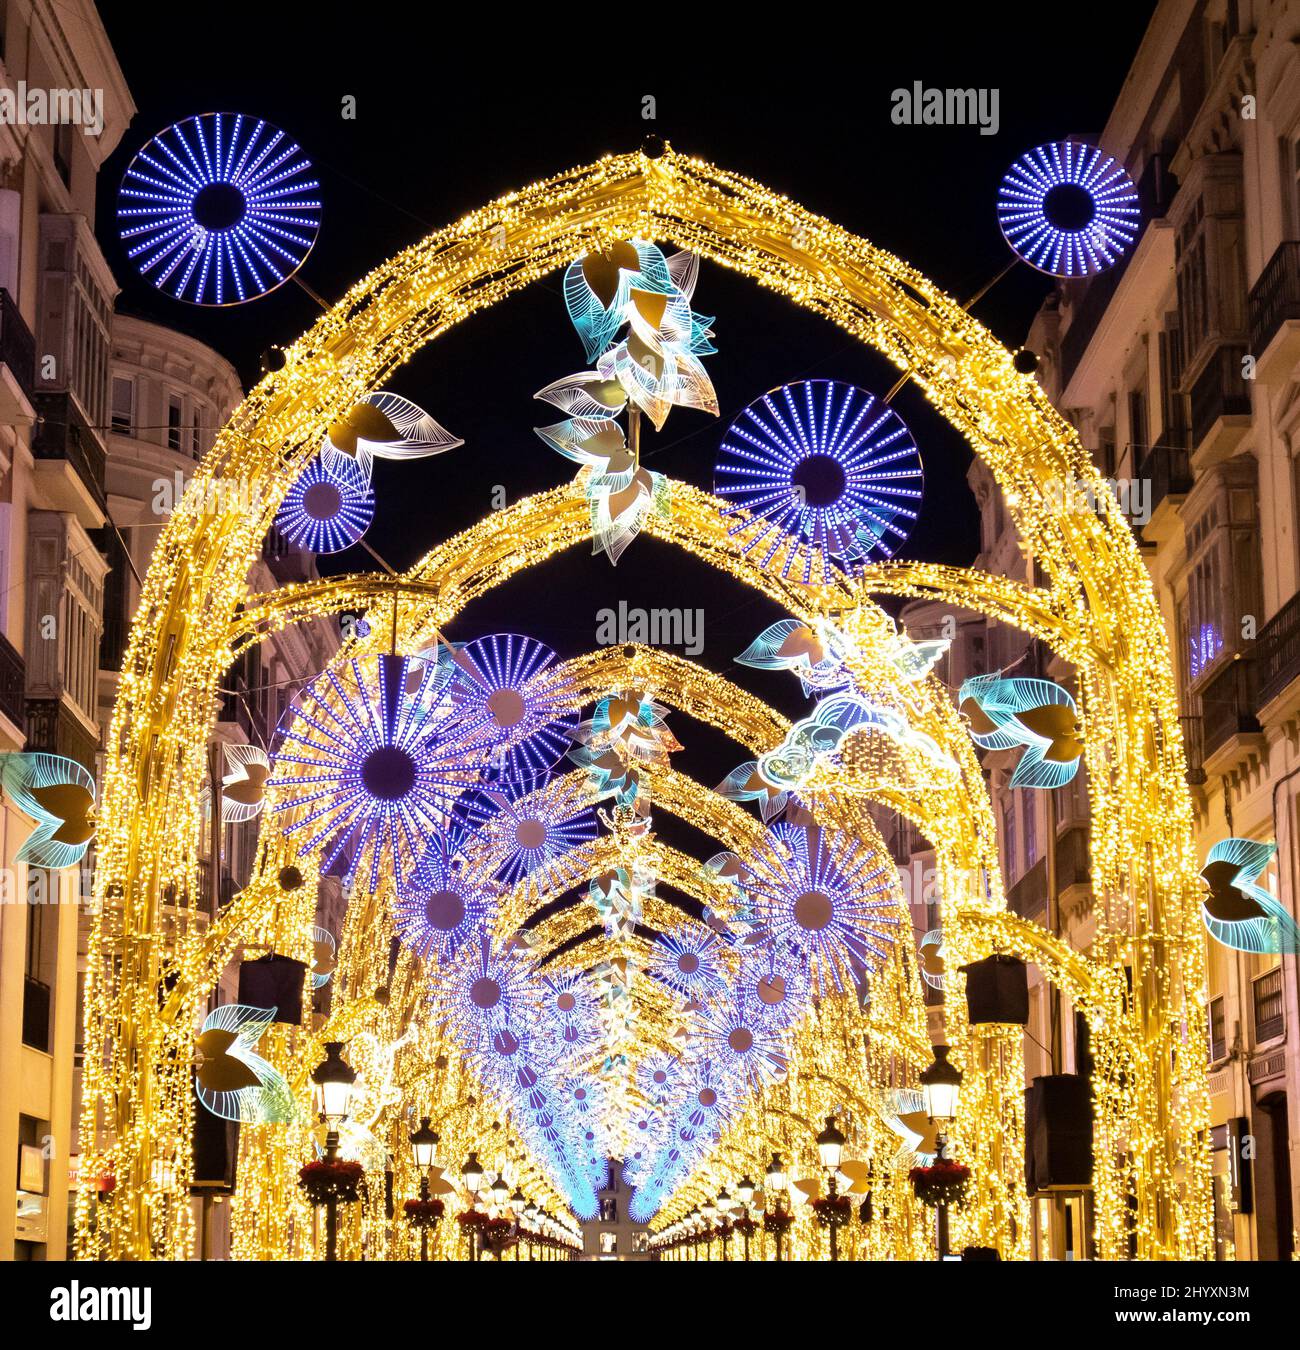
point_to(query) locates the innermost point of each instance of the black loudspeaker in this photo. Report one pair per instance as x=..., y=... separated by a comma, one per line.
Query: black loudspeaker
x=273, y=982
x=1058, y=1132
x=980, y=1254
x=216, y=1151
x=997, y=990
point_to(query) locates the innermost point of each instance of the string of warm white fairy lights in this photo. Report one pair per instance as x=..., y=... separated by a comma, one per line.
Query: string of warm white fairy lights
x=1097, y=609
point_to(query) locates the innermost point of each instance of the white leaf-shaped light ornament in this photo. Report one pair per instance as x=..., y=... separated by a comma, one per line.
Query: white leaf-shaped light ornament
x=813, y=652
x=745, y=784
x=903, y=1110
x=385, y=426
x=59, y=795
x=243, y=785
x=632, y=722
x=231, y=1079
x=1038, y=714
x=324, y=956
x=1237, y=911
x=618, y=513
x=930, y=958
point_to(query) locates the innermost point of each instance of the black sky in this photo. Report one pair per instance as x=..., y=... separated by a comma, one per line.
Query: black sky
x=457, y=106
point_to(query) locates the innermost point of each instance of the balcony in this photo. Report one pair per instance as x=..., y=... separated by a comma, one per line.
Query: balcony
x=1229, y=724
x=1194, y=748
x=1168, y=468
x=17, y=365
x=70, y=460
x=1028, y=897
x=13, y=685
x=1219, y=399
x=1277, y=653
x=1275, y=315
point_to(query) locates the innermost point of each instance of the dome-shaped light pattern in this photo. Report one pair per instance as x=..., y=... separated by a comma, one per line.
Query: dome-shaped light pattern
x=824, y=465
x=734, y=1034
x=361, y=766
x=219, y=209
x=775, y=978
x=327, y=509
x=508, y=698
x=689, y=961
x=1068, y=209
x=826, y=895
x=442, y=904
x=541, y=836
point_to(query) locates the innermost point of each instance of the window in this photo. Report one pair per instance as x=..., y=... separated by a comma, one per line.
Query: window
x=123, y=417
x=1268, y=1005
x=173, y=422
x=1031, y=828
x=1218, y=1033
x=63, y=151
x=609, y=1211
x=1139, y=434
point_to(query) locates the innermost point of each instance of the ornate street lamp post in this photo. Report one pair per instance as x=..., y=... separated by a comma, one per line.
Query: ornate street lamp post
x=830, y=1145
x=333, y=1080
x=774, y=1185
x=423, y=1143
x=472, y=1175
x=745, y=1189
x=941, y=1088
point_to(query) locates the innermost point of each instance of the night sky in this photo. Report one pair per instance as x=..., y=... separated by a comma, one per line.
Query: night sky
x=795, y=98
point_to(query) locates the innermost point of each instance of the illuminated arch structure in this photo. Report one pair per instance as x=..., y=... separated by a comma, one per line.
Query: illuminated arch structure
x=1096, y=609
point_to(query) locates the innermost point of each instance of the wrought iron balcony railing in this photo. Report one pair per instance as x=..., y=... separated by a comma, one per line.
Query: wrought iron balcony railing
x=1220, y=390
x=1275, y=297
x=13, y=684
x=17, y=345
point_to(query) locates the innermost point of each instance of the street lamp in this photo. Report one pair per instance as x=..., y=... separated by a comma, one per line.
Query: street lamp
x=423, y=1142
x=941, y=1087
x=745, y=1189
x=774, y=1185
x=332, y=1081
x=500, y=1192
x=472, y=1175
x=830, y=1147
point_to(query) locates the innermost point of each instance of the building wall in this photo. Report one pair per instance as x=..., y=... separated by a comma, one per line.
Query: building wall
x=1180, y=369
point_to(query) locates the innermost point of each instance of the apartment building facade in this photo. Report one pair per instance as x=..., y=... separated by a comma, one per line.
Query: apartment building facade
x=103, y=417
x=1180, y=368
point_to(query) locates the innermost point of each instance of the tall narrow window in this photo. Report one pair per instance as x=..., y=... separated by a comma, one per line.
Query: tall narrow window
x=173, y=421
x=123, y=417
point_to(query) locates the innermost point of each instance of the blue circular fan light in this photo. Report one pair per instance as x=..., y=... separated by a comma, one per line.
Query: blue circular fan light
x=219, y=209
x=824, y=465
x=327, y=509
x=1068, y=209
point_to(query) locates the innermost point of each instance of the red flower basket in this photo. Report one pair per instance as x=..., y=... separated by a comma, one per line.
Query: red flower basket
x=471, y=1219
x=778, y=1222
x=497, y=1234
x=942, y=1183
x=745, y=1226
x=337, y=1180
x=833, y=1210
x=423, y=1213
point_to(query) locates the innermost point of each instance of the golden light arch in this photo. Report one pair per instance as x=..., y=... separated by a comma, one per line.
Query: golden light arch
x=1097, y=609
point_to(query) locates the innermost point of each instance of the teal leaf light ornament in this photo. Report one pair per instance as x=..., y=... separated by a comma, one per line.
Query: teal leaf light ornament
x=385, y=426
x=1037, y=714
x=1237, y=911
x=59, y=794
x=231, y=1079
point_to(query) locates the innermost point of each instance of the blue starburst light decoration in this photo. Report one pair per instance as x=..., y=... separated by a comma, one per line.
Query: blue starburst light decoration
x=328, y=507
x=824, y=465
x=219, y=209
x=363, y=768
x=826, y=895
x=508, y=697
x=1068, y=209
